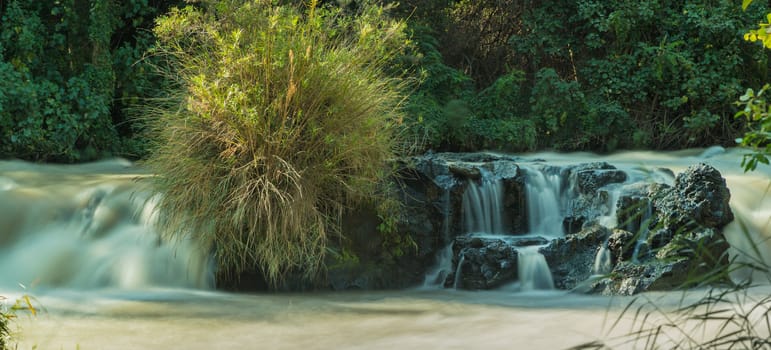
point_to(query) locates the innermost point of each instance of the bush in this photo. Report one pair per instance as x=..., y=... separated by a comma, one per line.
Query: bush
x=284, y=119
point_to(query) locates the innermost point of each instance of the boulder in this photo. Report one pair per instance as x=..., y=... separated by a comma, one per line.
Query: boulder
x=571, y=259
x=681, y=228
x=698, y=198
x=588, y=193
x=487, y=262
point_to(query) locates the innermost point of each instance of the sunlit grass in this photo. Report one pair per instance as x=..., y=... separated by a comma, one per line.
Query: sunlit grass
x=283, y=120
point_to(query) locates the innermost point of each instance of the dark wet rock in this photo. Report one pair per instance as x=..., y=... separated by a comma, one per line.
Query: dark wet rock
x=527, y=241
x=485, y=263
x=630, y=278
x=571, y=259
x=588, y=188
x=707, y=246
x=515, y=201
x=573, y=224
x=589, y=181
x=621, y=245
x=681, y=227
x=698, y=198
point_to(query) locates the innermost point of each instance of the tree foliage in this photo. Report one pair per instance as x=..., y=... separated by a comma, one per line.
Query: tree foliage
x=754, y=107
x=597, y=75
x=68, y=71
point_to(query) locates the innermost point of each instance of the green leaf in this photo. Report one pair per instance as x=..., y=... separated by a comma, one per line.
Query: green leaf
x=746, y=3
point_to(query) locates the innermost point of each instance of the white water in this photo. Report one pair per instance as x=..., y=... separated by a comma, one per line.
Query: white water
x=544, y=209
x=149, y=316
x=66, y=226
x=602, y=263
x=483, y=206
x=533, y=271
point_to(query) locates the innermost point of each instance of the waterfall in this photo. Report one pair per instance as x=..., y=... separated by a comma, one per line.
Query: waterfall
x=483, y=206
x=544, y=211
x=642, y=234
x=456, y=282
x=611, y=219
x=602, y=261
x=66, y=227
x=534, y=272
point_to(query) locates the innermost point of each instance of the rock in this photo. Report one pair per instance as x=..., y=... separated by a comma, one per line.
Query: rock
x=573, y=224
x=684, y=243
x=465, y=171
x=630, y=278
x=515, y=201
x=621, y=245
x=571, y=259
x=485, y=263
x=588, y=193
x=589, y=181
x=699, y=198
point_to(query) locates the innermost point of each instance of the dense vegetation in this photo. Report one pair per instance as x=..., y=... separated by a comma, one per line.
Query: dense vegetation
x=583, y=75
x=69, y=71
x=512, y=75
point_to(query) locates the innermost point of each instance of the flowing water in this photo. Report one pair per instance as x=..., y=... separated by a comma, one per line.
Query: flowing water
x=80, y=240
x=543, y=188
x=483, y=206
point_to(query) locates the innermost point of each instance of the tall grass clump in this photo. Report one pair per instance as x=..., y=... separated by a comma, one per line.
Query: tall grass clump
x=282, y=120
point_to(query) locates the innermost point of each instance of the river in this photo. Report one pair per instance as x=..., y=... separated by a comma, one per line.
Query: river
x=78, y=238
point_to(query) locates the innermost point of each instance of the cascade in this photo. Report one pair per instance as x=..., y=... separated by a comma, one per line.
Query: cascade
x=611, y=219
x=544, y=210
x=533, y=271
x=642, y=235
x=89, y=229
x=456, y=282
x=602, y=263
x=483, y=206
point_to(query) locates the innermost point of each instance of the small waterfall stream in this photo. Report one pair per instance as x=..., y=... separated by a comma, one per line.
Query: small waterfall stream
x=602, y=261
x=484, y=216
x=483, y=206
x=534, y=272
x=544, y=208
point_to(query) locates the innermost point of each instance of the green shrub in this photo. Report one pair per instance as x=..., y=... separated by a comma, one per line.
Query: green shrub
x=284, y=119
x=756, y=109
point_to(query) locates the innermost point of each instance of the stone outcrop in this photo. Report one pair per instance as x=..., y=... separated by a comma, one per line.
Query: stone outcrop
x=487, y=263
x=677, y=236
x=665, y=234
x=571, y=259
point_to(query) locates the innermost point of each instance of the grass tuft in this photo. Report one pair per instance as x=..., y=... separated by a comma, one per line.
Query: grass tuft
x=282, y=120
